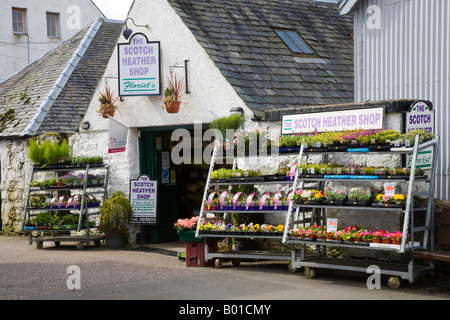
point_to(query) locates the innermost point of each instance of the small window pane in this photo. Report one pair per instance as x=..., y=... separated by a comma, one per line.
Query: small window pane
x=294, y=42
x=288, y=41
x=52, y=25
x=18, y=20
x=299, y=42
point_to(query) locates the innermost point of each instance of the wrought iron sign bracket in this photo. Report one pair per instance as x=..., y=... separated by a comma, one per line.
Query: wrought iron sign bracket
x=185, y=67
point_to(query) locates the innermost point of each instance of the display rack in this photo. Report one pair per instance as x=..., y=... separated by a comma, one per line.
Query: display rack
x=409, y=271
x=84, y=191
x=235, y=256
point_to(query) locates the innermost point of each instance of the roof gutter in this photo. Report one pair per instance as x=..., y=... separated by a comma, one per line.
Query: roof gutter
x=60, y=83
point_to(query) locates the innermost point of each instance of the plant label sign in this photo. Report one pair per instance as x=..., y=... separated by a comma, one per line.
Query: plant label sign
x=139, y=67
x=421, y=117
x=332, y=225
x=368, y=118
x=143, y=196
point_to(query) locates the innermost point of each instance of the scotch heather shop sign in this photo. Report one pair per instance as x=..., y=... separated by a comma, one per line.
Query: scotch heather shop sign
x=143, y=197
x=369, y=118
x=139, y=67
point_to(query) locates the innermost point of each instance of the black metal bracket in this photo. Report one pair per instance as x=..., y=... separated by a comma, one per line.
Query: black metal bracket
x=178, y=65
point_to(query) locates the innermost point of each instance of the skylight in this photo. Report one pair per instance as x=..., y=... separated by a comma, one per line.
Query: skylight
x=294, y=42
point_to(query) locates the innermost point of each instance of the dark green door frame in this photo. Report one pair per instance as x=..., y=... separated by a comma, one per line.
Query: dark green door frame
x=151, y=165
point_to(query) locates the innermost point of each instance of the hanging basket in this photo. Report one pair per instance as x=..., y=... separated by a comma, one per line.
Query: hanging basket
x=173, y=107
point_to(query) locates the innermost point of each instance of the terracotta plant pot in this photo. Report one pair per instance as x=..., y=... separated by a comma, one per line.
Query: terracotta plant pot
x=106, y=114
x=174, y=107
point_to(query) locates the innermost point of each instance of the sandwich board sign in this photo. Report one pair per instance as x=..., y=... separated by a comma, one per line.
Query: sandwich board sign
x=143, y=196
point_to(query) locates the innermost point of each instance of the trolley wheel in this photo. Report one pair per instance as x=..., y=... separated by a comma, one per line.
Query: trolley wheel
x=57, y=243
x=394, y=282
x=218, y=263
x=236, y=262
x=39, y=244
x=310, y=272
x=97, y=243
x=80, y=245
x=291, y=268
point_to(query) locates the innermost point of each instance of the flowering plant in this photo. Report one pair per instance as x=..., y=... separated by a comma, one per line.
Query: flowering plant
x=395, y=199
x=186, y=224
x=307, y=195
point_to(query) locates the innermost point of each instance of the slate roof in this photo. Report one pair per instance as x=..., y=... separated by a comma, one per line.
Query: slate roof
x=239, y=37
x=53, y=93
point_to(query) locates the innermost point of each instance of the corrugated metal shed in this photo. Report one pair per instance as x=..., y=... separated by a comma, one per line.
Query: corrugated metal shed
x=402, y=52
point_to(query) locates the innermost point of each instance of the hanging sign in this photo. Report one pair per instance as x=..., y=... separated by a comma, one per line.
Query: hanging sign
x=118, y=134
x=368, y=118
x=139, y=67
x=143, y=195
x=421, y=117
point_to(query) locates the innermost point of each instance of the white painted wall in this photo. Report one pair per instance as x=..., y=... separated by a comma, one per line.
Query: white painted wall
x=211, y=95
x=17, y=51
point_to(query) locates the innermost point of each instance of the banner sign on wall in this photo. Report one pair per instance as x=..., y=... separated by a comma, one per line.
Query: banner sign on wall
x=421, y=117
x=139, y=67
x=118, y=134
x=143, y=196
x=368, y=118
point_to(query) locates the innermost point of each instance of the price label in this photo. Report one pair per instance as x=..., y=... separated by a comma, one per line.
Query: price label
x=332, y=225
x=389, y=189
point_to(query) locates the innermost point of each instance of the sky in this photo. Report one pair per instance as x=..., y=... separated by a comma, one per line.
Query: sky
x=114, y=9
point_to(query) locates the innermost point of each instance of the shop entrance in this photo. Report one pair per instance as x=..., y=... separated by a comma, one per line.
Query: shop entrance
x=180, y=187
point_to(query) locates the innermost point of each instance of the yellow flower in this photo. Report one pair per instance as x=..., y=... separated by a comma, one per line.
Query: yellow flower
x=379, y=197
x=255, y=227
x=280, y=228
x=399, y=197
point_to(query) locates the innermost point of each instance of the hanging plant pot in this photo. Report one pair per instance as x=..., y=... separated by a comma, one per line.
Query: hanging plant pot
x=110, y=113
x=173, y=107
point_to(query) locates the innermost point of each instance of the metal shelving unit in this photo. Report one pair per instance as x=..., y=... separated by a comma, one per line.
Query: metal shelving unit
x=396, y=271
x=84, y=211
x=234, y=255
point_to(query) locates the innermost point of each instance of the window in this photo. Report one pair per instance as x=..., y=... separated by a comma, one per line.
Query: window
x=294, y=42
x=52, y=25
x=18, y=20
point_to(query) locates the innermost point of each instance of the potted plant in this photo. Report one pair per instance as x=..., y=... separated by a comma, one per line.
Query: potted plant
x=221, y=125
x=115, y=213
x=107, y=102
x=186, y=229
x=172, y=94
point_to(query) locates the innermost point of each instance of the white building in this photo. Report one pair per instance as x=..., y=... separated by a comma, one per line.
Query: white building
x=29, y=29
x=236, y=57
x=402, y=52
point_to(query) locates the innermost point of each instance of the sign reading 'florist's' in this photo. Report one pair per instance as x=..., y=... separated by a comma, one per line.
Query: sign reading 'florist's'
x=139, y=67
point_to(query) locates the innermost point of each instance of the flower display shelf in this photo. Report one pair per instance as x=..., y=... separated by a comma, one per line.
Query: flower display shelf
x=226, y=209
x=65, y=205
x=406, y=212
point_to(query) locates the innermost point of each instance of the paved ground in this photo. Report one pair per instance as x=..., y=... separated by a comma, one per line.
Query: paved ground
x=155, y=273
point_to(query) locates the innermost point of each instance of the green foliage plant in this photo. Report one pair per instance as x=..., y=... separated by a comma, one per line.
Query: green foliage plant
x=233, y=122
x=48, y=153
x=115, y=214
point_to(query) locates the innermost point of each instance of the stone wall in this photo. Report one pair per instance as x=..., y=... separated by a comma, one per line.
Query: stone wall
x=15, y=174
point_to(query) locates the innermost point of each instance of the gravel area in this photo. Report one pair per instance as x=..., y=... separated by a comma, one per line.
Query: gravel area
x=30, y=273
